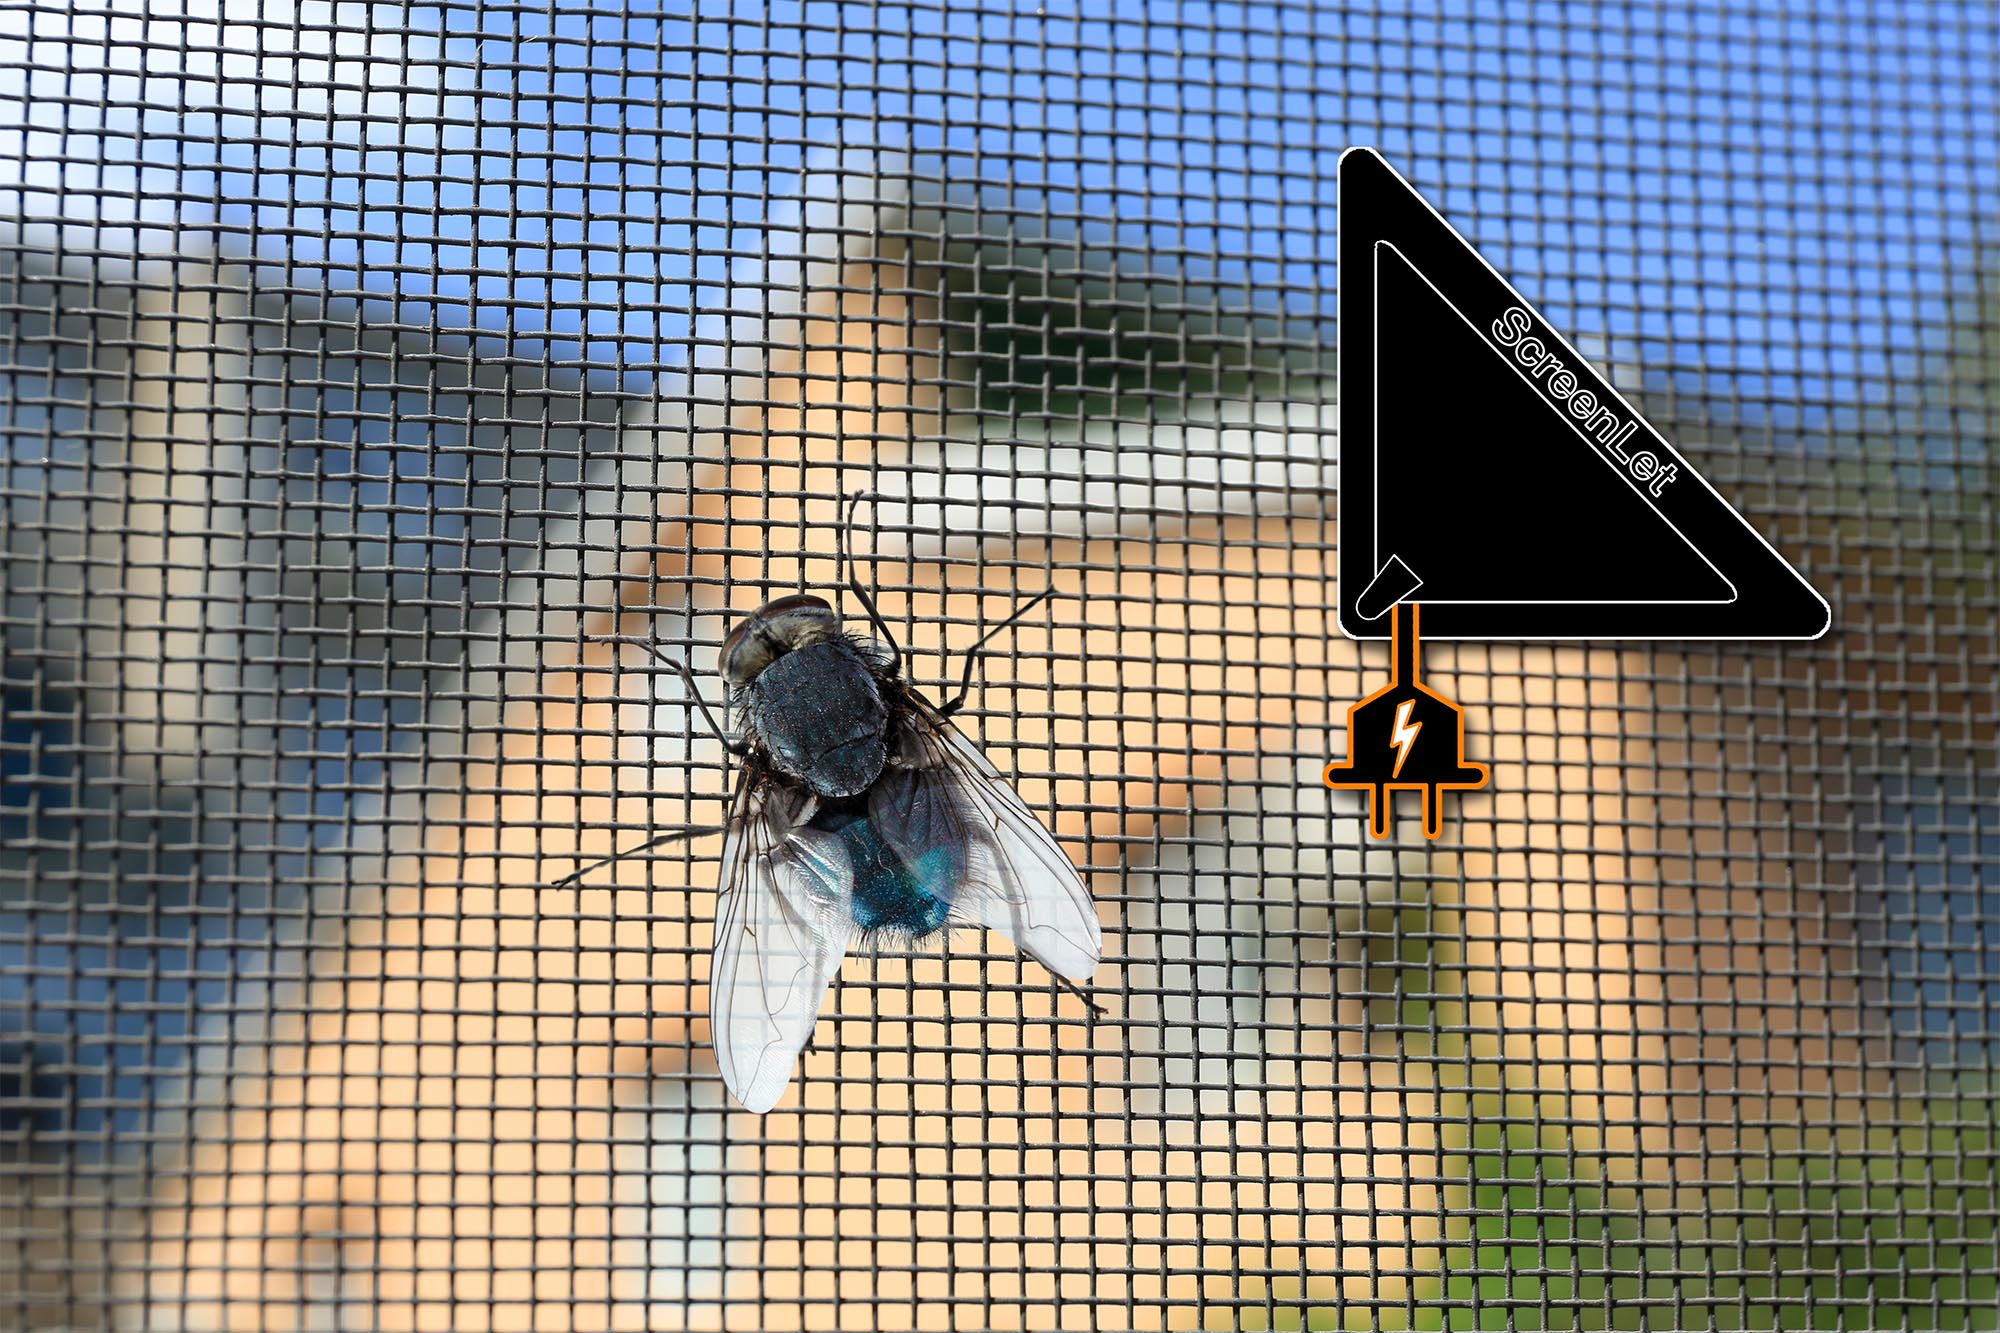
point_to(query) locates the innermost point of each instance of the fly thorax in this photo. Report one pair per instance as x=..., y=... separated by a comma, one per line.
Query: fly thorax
x=821, y=717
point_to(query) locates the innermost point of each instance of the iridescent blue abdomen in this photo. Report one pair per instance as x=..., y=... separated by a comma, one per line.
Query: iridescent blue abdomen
x=890, y=894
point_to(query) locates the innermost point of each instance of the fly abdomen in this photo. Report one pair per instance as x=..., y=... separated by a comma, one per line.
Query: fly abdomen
x=890, y=895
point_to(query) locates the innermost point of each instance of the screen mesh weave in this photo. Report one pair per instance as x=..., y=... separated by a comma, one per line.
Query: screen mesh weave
x=363, y=366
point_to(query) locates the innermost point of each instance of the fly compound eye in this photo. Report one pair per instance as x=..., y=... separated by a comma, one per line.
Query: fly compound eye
x=771, y=631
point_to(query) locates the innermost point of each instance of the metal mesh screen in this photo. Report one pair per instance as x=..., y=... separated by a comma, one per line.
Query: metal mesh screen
x=363, y=364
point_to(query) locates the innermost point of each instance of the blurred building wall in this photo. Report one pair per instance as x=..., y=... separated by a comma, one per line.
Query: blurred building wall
x=483, y=1009
x=230, y=588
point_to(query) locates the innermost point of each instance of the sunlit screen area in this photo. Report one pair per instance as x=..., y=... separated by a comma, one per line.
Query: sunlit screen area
x=394, y=398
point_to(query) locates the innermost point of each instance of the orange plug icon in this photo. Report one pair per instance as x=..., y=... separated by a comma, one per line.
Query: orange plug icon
x=1404, y=737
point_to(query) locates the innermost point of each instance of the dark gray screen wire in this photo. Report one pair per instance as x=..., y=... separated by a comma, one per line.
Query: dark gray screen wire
x=361, y=365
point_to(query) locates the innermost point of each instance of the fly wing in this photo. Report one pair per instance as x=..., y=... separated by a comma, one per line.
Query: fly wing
x=782, y=928
x=1015, y=878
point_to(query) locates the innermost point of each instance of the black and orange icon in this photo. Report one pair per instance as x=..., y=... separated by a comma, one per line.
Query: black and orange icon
x=1479, y=446
x=1404, y=737
x=1487, y=462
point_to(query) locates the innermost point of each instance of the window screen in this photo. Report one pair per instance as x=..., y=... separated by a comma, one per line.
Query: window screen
x=365, y=368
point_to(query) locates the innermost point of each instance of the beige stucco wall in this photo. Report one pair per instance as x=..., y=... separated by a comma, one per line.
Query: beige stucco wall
x=453, y=1131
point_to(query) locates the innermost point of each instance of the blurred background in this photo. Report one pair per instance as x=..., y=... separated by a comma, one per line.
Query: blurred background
x=359, y=363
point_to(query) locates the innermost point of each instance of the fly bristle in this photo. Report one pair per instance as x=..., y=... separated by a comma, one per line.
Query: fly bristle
x=891, y=942
x=870, y=650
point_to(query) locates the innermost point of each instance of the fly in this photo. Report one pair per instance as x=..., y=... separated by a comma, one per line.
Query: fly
x=860, y=811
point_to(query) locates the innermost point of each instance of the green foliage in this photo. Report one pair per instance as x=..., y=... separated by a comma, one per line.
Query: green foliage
x=1851, y=1228
x=1537, y=1240
x=1891, y=1222
x=1891, y=1226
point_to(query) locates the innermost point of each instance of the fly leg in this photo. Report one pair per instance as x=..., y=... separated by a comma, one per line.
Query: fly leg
x=861, y=594
x=734, y=744
x=1096, y=1010
x=978, y=650
x=889, y=640
x=672, y=835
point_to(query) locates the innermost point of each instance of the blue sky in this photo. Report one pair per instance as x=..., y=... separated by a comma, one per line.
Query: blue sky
x=1740, y=190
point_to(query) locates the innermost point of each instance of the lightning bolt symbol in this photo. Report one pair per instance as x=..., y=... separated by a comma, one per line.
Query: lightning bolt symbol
x=1404, y=734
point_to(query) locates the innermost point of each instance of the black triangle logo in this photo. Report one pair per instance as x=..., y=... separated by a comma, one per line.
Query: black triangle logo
x=1492, y=474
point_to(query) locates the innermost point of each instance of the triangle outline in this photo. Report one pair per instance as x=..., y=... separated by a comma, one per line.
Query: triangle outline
x=1751, y=568
x=1636, y=489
